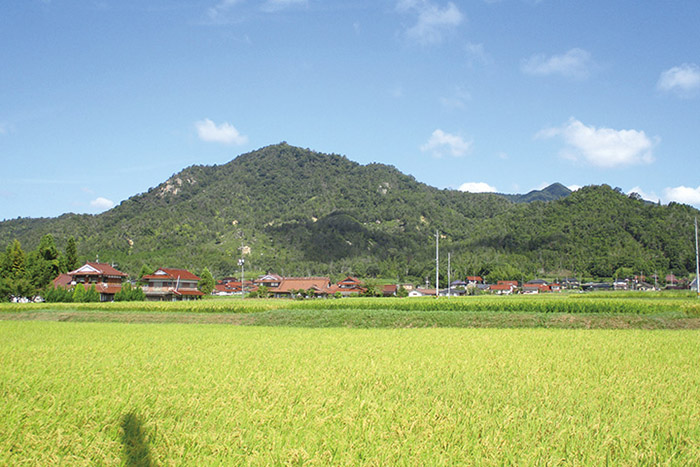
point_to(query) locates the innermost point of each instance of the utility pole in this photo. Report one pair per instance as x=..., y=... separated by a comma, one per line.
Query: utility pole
x=449, y=275
x=241, y=263
x=437, y=263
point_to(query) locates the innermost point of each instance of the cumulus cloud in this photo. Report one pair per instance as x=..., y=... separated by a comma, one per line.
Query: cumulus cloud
x=432, y=22
x=602, y=147
x=576, y=63
x=683, y=80
x=224, y=133
x=574, y=187
x=683, y=194
x=648, y=196
x=101, y=204
x=440, y=141
x=477, y=187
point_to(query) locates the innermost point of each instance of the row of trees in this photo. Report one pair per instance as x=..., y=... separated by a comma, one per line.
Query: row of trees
x=28, y=274
x=31, y=274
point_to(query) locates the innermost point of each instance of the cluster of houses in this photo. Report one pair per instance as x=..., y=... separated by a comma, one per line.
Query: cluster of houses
x=289, y=287
x=535, y=286
x=166, y=284
x=171, y=284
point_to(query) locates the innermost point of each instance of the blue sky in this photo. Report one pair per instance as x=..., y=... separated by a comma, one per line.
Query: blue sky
x=103, y=99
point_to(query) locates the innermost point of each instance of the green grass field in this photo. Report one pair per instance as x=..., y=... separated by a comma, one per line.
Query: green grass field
x=194, y=394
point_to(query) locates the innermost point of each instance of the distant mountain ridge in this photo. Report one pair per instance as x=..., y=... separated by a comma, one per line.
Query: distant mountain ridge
x=553, y=192
x=290, y=210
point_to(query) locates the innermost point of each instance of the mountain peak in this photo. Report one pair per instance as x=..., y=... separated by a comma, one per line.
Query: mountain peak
x=553, y=192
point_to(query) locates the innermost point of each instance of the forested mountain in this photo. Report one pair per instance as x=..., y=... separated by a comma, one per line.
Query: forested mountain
x=295, y=211
x=551, y=193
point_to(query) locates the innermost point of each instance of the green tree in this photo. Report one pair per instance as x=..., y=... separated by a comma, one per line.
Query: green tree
x=91, y=295
x=137, y=294
x=263, y=292
x=79, y=293
x=43, y=264
x=16, y=280
x=145, y=271
x=15, y=260
x=130, y=294
x=71, y=255
x=372, y=288
x=57, y=295
x=206, y=284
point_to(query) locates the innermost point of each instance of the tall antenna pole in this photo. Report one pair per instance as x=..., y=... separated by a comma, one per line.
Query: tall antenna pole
x=449, y=275
x=437, y=263
x=697, y=260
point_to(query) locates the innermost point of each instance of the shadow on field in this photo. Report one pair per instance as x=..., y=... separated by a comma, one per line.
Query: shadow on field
x=135, y=444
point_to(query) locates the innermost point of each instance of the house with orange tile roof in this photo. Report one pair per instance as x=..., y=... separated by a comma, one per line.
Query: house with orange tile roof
x=170, y=284
x=348, y=286
x=106, y=279
x=268, y=280
x=503, y=288
x=473, y=280
x=289, y=286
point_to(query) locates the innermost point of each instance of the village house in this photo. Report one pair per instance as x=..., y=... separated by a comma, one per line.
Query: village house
x=535, y=288
x=106, y=279
x=349, y=286
x=268, y=280
x=473, y=280
x=503, y=288
x=422, y=292
x=232, y=286
x=290, y=286
x=390, y=290
x=169, y=284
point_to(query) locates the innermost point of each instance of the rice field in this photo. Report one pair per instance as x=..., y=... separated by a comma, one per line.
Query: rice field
x=173, y=394
x=549, y=303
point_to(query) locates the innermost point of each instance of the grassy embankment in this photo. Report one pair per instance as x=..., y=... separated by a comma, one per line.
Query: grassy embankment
x=111, y=393
x=569, y=311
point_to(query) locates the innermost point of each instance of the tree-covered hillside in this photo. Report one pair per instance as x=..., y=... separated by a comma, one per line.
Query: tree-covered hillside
x=295, y=211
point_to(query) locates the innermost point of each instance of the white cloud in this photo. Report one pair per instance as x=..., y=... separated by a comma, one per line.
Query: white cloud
x=224, y=133
x=576, y=63
x=602, y=147
x=477, y=187
x=682, y=194
x=102, y=204
x=440, y=140
x=574, y=187
x=432, y=20
x=651, y=196
x=683, y=80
